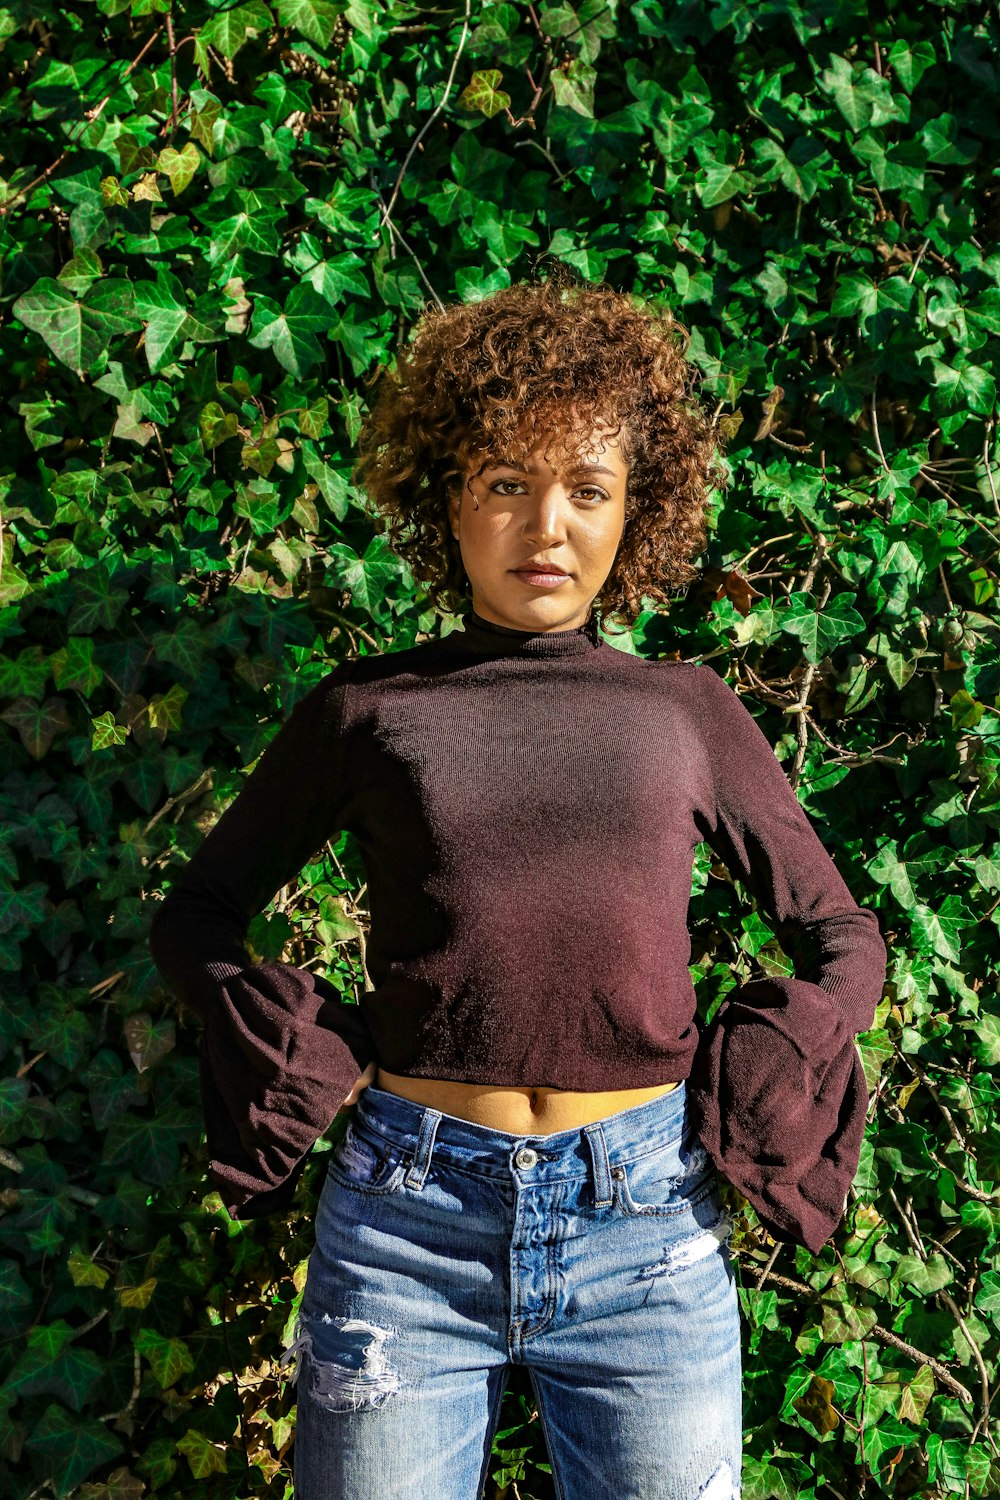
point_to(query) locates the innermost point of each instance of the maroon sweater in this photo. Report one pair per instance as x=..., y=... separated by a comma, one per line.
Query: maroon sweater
x=527, y=806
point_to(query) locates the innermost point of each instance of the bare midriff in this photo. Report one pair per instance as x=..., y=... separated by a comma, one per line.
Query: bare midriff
x=517, y=1111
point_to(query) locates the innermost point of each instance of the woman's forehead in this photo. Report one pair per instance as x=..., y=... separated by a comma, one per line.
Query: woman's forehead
x=585, y=443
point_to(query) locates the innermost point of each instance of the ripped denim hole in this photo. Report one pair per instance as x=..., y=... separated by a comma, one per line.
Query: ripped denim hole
x=720, y=1486
x=687, y=1251
x=360, y=1378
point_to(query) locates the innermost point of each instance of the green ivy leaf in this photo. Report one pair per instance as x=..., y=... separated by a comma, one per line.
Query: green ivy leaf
x=216, y=425
x=69, y=1446
x=201, y=122
x=81, y=271
x=338, y=277
x=147, y=1040
x=48, y=1340
x=313, y=421
x=988, y=1297
x=166, y=709
x=113, y=195
x=366, y=576
x=842, y=1320
x=334, y=925
x=138, y=1296
x=862, y=95
x=44, y=425
x=77, y=331
x=15, y=1293
x=970, y=387
x=483, y=92
x=169, y=1358
x=37, y=724
x=315, y=19
x=984, y=310
x=147, y=1145
x=183, y=648
x=910, y=60
x=203, y=1457
x=179, y=166
x=924, y=1276
x=916, y=1396
x=22, y=906
x=60, y=1027
x=169, y=321
x=797, y=172
x=875, y=1049
x=25, y=674
x=84, y=1272
x=948, y=1461
x=883, y=1441
x=290, y=332
x=158, y=1462
x=133, y=155
x=985, y=1040
x=767, y=1481
x=239, y=232
x=97, y=601
x=231, y=29
x=574, y=88
x=69, y=1373
x=74, y=668
x=718, y=182
x=107, y=732
x=939, y=931
x=820, y=633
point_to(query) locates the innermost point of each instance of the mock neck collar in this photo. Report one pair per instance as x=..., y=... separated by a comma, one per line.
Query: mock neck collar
x=486, y=638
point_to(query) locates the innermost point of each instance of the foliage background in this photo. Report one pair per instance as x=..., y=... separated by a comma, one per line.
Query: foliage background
x=217, y=221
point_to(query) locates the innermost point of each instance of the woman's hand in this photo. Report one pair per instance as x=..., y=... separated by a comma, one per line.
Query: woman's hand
x=367, y=1077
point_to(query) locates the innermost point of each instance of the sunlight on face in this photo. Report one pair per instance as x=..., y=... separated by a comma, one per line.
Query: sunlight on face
x=561, y=504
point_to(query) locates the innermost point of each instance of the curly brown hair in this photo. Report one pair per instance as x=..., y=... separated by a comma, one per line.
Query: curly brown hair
x=552, y=357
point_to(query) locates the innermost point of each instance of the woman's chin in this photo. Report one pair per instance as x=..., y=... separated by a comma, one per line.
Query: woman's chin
x=534, y=608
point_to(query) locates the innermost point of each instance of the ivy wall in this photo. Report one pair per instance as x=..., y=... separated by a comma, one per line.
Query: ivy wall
x=216, y=222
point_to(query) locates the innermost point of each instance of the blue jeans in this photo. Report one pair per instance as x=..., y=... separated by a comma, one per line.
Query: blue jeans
x=446, y=1252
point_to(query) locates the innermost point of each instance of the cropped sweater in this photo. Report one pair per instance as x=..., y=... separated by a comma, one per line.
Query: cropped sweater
x=527, y=807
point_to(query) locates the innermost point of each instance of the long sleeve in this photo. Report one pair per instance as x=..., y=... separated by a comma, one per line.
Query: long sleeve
x=777, y=1078
x=280, y=1049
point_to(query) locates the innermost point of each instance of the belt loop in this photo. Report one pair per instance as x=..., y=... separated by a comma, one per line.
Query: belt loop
x=429, y=1123
x=602, y=1167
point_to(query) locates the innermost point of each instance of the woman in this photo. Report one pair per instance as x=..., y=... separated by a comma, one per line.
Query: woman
x=525, y=1178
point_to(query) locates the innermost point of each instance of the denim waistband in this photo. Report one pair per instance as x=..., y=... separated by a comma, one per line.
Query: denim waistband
x=588, y=1150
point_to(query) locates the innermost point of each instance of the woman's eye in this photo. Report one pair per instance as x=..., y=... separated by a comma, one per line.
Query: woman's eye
x=591, y=491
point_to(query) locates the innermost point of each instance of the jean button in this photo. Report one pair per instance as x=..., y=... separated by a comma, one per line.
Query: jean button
x=526, y=1157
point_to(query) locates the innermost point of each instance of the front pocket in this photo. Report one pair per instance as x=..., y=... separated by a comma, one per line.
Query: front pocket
x=367, y=1165
x=667, y=1181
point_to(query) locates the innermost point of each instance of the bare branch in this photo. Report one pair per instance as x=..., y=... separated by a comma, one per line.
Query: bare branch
x=387, y=208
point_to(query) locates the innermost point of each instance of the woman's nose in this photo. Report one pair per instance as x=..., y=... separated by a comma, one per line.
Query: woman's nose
x=545, y=519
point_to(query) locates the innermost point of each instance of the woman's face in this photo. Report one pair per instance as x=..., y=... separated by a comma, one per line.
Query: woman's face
x=567, y=512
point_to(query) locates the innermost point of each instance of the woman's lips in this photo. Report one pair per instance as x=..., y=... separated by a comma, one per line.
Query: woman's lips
x=540, y=580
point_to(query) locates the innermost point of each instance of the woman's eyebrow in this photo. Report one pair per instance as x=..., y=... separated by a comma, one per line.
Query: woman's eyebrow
x=508, y=463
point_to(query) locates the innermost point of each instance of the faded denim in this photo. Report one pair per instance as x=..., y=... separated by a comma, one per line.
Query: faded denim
x=446, y=1252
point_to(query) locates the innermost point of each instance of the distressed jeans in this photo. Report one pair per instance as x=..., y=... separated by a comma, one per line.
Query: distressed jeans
x=447, y=1252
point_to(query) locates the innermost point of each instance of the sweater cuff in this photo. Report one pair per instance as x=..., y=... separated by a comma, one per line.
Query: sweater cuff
x=279, y=1054
x=779, y=1092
